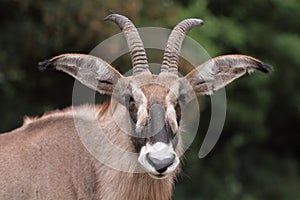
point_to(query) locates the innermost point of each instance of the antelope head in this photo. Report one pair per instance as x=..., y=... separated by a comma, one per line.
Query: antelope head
x=154, y=102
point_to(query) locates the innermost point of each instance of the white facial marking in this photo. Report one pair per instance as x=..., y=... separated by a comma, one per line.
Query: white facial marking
x=171, y=99
x=171, y=118
x=142, y=113
x=158, y=151
x=142, y=118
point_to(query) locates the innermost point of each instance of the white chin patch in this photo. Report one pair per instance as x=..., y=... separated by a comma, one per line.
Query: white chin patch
x=158, y=151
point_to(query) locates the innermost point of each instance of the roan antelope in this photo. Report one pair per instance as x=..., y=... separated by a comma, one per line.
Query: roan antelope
x=46, y=159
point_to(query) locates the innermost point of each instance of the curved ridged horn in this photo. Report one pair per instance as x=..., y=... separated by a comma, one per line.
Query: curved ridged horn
x=135, y=44
x=172, y=51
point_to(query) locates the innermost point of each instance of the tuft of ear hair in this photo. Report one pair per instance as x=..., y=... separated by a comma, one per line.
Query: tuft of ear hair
x=266, y=68
x=45, y=65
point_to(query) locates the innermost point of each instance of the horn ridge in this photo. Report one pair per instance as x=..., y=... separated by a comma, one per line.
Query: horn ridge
x=135, y=44
x=172, y=51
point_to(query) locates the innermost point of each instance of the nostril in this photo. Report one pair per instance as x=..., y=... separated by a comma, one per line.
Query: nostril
x=162, y=170
x=160, y=165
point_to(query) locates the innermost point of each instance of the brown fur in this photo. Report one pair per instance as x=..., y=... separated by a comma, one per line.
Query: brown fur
x=45, y=159
x=155, y=92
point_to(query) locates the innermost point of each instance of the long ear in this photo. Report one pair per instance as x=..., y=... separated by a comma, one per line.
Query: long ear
x=220, y=71
x=89, y=70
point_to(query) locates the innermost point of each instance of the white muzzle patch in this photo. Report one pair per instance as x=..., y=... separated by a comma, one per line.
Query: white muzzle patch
x=158, y=159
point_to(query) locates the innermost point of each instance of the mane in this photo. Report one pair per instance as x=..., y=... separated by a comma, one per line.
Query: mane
x=85, y=111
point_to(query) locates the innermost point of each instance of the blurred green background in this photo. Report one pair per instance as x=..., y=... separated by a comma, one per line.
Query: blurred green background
x=257, y=156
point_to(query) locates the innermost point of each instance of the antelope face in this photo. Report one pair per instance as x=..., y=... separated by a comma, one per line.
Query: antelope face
x=154, y=101
x=155, y=112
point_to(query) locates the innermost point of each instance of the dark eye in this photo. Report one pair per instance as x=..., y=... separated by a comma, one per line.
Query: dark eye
x=178, y=111
x=131, y=106
x=131, y=103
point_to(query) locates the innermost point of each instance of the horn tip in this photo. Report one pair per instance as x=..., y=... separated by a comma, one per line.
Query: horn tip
x=108, y=17
x=113, y=16
x=198, y=22
x=193, y=22
x=201, y=22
